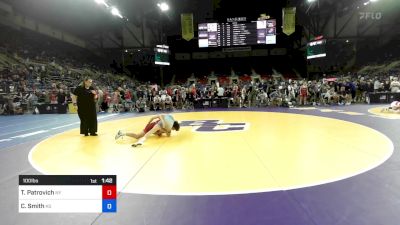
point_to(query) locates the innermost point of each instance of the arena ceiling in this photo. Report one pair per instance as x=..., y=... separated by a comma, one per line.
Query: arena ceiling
x=86, y=19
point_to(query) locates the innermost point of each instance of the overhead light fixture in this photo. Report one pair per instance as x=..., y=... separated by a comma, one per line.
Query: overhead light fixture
x=163, y=6
x=116, y=12
x=102, y=2
x=373, y=0
x=310, y=1
x=366, y=3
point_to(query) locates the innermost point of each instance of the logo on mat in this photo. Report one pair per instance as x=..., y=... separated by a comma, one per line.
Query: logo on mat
x=213, y=125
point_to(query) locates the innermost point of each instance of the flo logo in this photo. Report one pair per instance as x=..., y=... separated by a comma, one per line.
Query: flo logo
x=370, y=15
x=213, y=125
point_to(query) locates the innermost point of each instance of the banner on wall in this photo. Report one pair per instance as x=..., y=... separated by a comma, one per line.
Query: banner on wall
x=187, y=26
x=289, y=20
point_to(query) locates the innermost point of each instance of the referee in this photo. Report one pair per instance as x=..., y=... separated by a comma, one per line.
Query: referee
x=84, y=100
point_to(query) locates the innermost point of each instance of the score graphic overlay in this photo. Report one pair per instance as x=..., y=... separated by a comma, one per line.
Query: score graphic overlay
x=67, y=193
x=259, y=32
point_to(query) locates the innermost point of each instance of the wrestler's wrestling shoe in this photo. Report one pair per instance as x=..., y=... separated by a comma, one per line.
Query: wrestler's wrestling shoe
x=119, y=134
x=139, y=142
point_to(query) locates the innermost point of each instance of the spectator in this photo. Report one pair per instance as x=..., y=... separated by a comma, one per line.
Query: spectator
x=163, y=98
x=262, y=99
x=141, y=105
x=100, y=100
x=377, y=85
x=53, y=97
x=168, y=102
x=276, y=97
x=157, y=102
x=32, y=100
x=395, y=85
x=61, y=97
x=116, y=97
x=220, y=91
x=303, y=94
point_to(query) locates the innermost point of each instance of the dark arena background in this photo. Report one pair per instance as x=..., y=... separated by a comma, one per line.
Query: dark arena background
x=200, y=112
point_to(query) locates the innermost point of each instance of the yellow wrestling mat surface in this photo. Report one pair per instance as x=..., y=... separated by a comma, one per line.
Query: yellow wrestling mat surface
x=219, y=153
x=385, y=114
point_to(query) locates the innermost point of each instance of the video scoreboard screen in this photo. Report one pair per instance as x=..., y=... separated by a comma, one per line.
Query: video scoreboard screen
x=259, y=32
x=161, y=56
x=316, y=49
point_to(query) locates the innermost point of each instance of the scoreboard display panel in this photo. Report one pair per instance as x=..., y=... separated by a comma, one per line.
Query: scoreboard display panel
x=316, y=49
x=260, y=32
x=67, y=194
x=161, y=56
